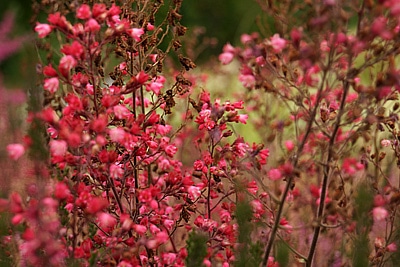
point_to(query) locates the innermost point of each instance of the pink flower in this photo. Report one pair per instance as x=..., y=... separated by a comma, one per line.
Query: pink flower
x=168, y=258
x=168, y=224
x=140, y=229
x=43, y=29
x=392, y=247
x=379, y=213
x=15, y=151
x=61, y=191
x=92, y=25
x=150, y=27
x=116, y=171
x=386, y=142
x=51, y=85
x=277, y=43
x=106, y=220
x=245, y=38
x=117, y=134
x=247, y=80
x=83, y=12
x=242, y=118
x=226, y=58
x=274, y=174
x=194, y=192
x=135, y=33
x=121, y=112
x=170, y=150
x=66, y=64
x=58, y=147
x=289, y=145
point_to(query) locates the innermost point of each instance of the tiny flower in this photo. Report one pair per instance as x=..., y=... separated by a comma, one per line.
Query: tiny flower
x=277, y=43
x=117, y=135
x=386, y=142
x=242, y=118
x=289, y=145
x=140, y=229
x=58, y=147
x=247, y=80
x=135, y=33
x=392, y=247
x=194, y=192
x=43, y=29
x=83, y=12
x=92, y=25
x=61, y=191
x=379, y=213
x=121, y=112
x=150, y=27
x=15, y=151
x=116, y=171
x=106, y=220
x=51, y=85
x=226, y=58
x=274, y=174
x=66, y=64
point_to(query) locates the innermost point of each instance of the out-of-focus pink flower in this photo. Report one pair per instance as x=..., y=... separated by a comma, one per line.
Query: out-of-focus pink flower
x=379, y=213
x=277, y=43
x=106, y=220
x=83, y=12
x=15, y=151
x=247, y=80
x=92, y=25
x=58, y=147
x=61, y=191
x=245, y=38
x=43, y=29
x=66, y=64
x=194, y=192
x=392, y=247
x=274, y=174
x=289, y=145
x=226, y=58
x=116, y=171
x=121, y=112
x=117, y=134
x=135, y=33
x=51, y=85
x=150, y=27
x=386, y=142
x=140, y=229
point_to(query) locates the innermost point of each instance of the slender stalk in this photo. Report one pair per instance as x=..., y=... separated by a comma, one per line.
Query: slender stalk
x=294, y=162
x=327, y=169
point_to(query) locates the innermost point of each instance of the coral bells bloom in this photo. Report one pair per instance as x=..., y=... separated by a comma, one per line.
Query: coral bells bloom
x=66, y=64
x=379, y=213
x=83, y=12
x=15, y=151
x=43, y=29
x=277, y=43
x=226, y=58
x=135, y=33
x=247, y=80
x=58, y=147
x=51, y=85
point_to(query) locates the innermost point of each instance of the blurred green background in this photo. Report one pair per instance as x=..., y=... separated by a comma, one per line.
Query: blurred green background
x=221, y=21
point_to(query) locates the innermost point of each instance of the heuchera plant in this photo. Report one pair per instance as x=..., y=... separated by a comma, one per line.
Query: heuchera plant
x=142, y=168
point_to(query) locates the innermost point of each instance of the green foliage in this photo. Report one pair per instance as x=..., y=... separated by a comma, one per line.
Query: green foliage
x=5, y=259
x=248, y=254
x=363, y=205
x=197, y=249
x=282, y=254
x=37, y=130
